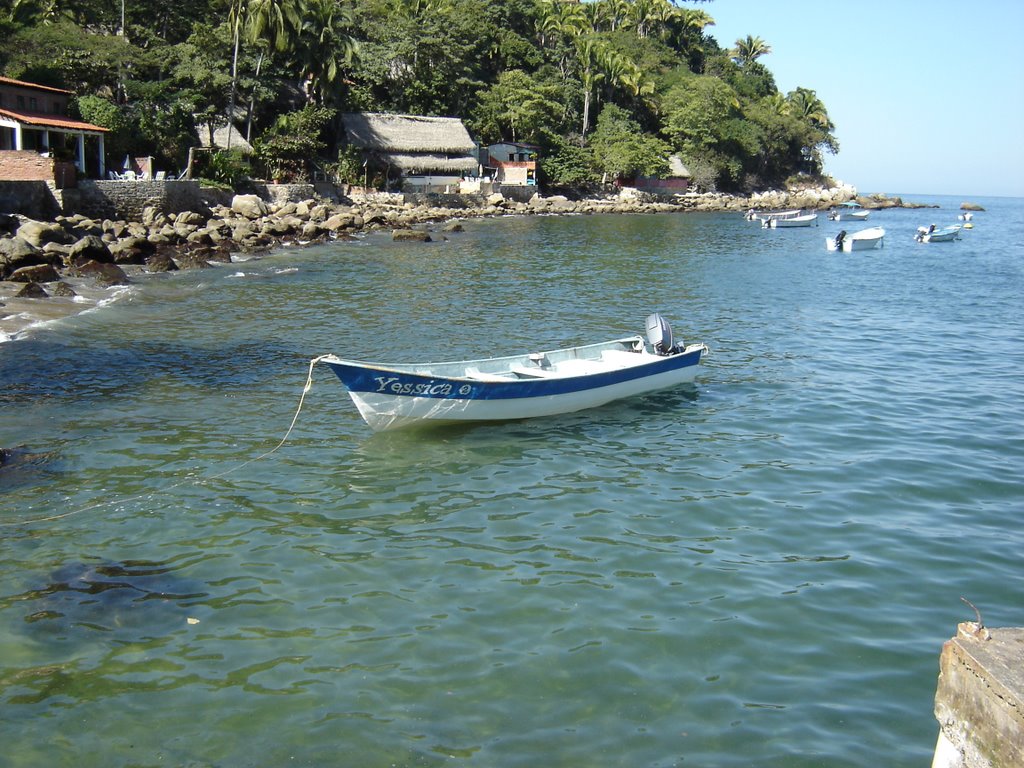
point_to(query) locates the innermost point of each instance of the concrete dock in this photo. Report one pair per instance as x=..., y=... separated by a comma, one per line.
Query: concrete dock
x=979, y=699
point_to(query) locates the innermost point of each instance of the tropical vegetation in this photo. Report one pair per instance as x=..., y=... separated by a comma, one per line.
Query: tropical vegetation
x=605, y=89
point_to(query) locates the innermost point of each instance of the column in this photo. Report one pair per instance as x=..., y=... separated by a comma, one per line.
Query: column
x=103, y=163
x=80, y=155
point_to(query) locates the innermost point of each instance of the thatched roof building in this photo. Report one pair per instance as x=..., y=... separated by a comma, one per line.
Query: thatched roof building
x=220, y=137
x=413, y=144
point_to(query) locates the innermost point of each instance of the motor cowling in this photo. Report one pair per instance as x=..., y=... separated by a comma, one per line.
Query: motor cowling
x=659, y=334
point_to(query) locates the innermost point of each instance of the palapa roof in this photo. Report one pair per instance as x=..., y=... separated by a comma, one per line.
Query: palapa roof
x=427, y=161
x=220, y=137
x=413, y=143
x=407, y=133
x=676, y=168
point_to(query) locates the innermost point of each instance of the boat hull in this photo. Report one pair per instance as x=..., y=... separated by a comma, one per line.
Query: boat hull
x=944, y=235
x=797, y=221
x=850, y=216
x=389, y=398
x=865, y=240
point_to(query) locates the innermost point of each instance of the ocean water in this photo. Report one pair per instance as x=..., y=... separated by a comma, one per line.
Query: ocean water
x=758, y=570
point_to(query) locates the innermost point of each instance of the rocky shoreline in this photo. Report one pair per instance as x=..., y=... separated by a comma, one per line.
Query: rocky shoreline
x=37, y=258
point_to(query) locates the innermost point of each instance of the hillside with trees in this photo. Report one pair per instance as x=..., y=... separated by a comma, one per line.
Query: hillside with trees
x=606, y=89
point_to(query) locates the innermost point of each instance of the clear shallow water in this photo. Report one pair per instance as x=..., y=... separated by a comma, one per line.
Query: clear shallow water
x=759, y=570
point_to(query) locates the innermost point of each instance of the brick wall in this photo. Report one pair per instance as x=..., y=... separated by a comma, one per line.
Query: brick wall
x=28, y=165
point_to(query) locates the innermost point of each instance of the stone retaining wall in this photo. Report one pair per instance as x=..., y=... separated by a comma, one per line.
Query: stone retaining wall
x=34, y=199
x=437, y=200
x=127, y=199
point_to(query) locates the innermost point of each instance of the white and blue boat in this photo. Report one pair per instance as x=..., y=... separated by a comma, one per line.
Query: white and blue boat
x=848, y=211
x=518, y=386
x=864, y=240
x=933, y=234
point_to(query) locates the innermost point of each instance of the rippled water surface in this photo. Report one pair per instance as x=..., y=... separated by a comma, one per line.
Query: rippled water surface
x=758, y=570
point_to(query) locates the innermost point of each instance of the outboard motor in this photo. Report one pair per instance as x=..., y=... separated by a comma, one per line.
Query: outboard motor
x=839, y=239
x=659, y=333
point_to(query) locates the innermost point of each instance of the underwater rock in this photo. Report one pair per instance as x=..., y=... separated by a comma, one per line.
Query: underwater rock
x=134, y=597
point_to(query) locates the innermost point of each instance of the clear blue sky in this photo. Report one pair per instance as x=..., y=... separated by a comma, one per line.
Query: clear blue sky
x=927, y=96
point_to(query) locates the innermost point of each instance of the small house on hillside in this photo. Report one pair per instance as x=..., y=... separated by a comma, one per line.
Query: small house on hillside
x=513, y=163
x=413, y=152
x=675, y=183
x=39, y=142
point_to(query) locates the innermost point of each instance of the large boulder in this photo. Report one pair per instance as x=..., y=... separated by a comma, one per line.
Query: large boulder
x=411, y=235
x=339, y=221
x=37, y=273
x=39, y=233
x=190, y=217
x=249, y=206
x=131, y=250
x=193, y=260
x=243, y=230
x=16, y=252
x=32, y=291
x=64, y=290
x=104, y=274
x=89, y=248
x=280, y=226
x=160, y=262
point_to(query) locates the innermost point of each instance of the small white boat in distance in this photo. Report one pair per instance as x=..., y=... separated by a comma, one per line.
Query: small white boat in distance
x=804, y=220
x=520, y=386
x=763, y=216
x=864, y=240
x=848, y=211
x=933, y=235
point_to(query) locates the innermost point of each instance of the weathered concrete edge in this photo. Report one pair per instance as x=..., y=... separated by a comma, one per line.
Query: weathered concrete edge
x=979, y=699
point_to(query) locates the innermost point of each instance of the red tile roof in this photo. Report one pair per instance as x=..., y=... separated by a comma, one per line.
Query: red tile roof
x=51, y=121
x=36, y=86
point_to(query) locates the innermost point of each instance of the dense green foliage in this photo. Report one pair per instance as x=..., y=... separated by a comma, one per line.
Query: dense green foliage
x=607, y=88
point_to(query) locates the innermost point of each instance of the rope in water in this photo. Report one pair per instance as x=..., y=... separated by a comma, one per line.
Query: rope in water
x=201, y=481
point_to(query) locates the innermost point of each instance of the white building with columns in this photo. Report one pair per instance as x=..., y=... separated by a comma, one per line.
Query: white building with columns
x=34, y=118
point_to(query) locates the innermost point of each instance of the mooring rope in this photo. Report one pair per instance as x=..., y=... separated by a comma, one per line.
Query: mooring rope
x=200, y=481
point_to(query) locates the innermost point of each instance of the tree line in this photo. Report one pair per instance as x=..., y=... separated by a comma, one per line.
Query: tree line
x=605, y=89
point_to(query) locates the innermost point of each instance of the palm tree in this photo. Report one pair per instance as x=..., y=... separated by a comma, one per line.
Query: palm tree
x=275, y=21
x=588, y=54
x=644, y=13
x=325, y=47
x=618, y=13
x=596, y=14
x=805, y=104
x=278, y=22
x=750, y=49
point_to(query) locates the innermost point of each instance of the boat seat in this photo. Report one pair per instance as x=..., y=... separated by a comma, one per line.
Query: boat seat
x=522, y=372
x=562, y=369
x=478, y=375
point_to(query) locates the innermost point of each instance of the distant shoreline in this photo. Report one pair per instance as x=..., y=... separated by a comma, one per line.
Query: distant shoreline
x=62, y=284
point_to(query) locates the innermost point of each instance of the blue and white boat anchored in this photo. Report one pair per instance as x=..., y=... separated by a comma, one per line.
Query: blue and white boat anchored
x=519, y=386
x=933, y=234
x=848, y=211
